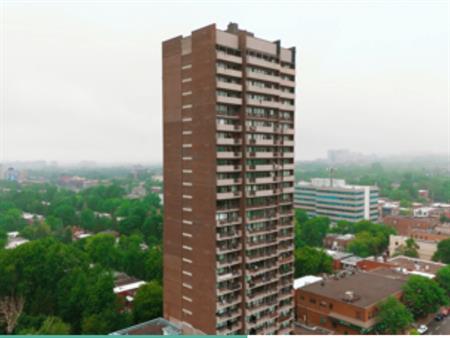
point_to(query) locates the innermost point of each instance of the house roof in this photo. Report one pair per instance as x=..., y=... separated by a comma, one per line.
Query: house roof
x=368, y=288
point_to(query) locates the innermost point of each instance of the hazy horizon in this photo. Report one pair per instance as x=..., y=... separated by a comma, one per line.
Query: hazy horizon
x=82, y=81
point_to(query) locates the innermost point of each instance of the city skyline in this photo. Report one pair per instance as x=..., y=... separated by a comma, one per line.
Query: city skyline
x=90, y=75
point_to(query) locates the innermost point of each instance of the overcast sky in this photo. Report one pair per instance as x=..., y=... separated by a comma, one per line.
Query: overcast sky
x=81, y=80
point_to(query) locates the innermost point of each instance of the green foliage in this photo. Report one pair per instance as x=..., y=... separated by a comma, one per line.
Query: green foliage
x=423, y=296
x=313, y=231
x=147, y=302
x=101, y=248
x=443, y=278
x=312, y=261
x=370, y=238
x=393, y=316
x=50, y=326
x=442, y=253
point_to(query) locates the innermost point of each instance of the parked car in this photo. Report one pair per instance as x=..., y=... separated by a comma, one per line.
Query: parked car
x=439, y=317
x=422, y=329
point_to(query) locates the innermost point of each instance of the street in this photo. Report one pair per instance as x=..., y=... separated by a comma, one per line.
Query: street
x=438, y=328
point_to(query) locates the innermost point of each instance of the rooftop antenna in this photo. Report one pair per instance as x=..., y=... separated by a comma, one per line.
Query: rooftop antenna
x=331, y=171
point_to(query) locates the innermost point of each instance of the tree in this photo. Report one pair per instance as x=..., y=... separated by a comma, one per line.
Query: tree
x=311, y=261
x=423, y=296
x=102, y=249
x=393, y=316
x=147, y=302
x=87, y=219
x=313, y=231
x=11, y=308
x=443, y=251
x=54, y=326
x=410, y=249
x=443, y=278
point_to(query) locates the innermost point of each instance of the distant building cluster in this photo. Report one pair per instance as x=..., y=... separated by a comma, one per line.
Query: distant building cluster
x=76, y=182
x=337, y=200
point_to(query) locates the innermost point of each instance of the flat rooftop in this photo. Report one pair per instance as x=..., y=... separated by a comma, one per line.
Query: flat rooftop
x=154, y=327
x=416, y=264
x=368, y=288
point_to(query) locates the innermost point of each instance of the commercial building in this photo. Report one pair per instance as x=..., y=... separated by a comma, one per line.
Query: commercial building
x=406, y=225
x=347, y=304
x=337, y=200
x=228, y=182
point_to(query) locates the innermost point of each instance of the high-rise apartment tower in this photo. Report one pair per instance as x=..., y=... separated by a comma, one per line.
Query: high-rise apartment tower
x=228, y=182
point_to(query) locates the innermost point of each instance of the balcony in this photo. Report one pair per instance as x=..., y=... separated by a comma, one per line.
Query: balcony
x=259, y=193
x=286, y=260
x=259, y=142
x=229, y=221
x=229, y=329
x=260, y=257
x=287, y=83
x=262, y=90
x=260, y=129
x=283, y=248
x=263, y=103
x=287, y=155
x=221, y=236
x=258, y=321
x=260, y=270
x=224, y=249
x=229, y=100
x=229, y=141
x=259, y=308
x=263, y=294
x=289, y=178
x=262, y=231
x=229, y=315
x=229, y=72
x=227, y=303
x=229, y=276
x=252, y=60
x=230, y=58
x=261, y=244
x=228, y=168
x=229, y=85
x=228, y=127
x=287, y=95
x=261, y=154
x=229, y=181
x=229, y=262
x=263, y=218
x=288, y=143
x=288, y=131
x=263, y=77
x=285, y=331
x=288, y=166
x=287, y=70
x=229, y=154
x=289, y=190
x=261, y=180
x=260, y=167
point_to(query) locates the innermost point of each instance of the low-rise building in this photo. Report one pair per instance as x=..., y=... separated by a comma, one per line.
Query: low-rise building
x=337, y=200
x=154, y=327
x=426, y=249
x=14, y=240
x=416, y=266
x=337, y=242
x=405, y=225
x=338, y=256
x=125, y=287
x=347, y=304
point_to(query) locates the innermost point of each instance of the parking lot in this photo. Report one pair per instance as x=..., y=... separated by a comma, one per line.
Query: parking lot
x=437, y=328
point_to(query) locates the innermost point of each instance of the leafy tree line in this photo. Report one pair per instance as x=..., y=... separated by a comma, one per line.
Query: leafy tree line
x=395, y=182
x=49, y=287
x=370, y=238
x=95, y=209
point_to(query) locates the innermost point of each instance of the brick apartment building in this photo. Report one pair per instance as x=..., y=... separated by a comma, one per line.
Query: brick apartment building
x=229, y=102
x=406, y=225
x=347, y=305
